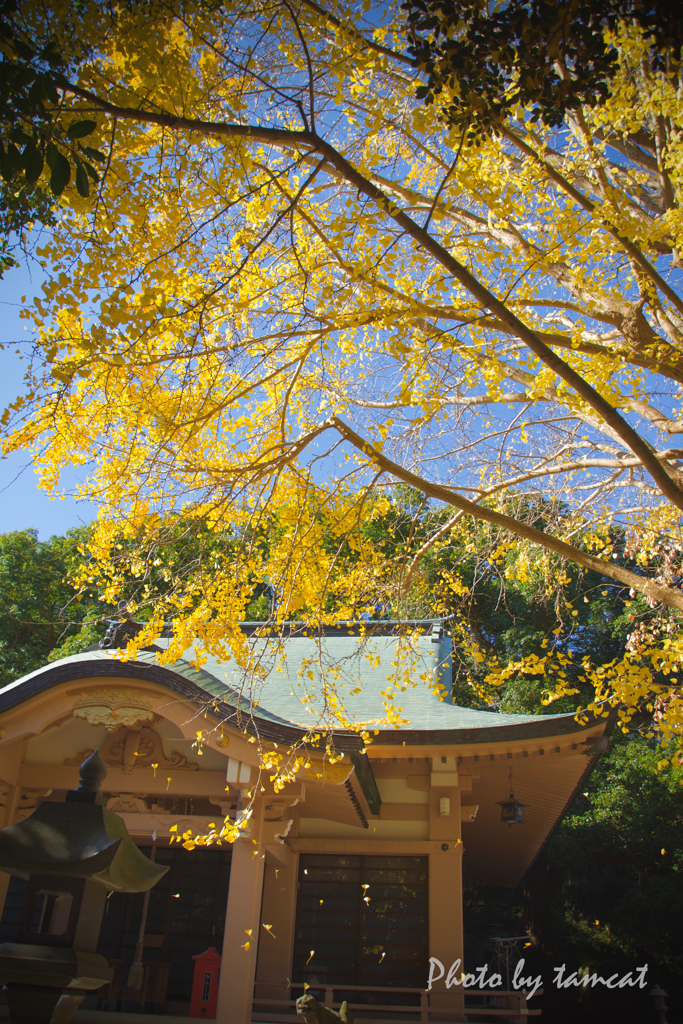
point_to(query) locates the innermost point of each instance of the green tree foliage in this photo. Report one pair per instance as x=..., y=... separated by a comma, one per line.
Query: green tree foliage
x=38, y=607
x=32, y=74
x=492, y=59
x=43, y=617
x=507, y=611
x=501, y=607
x=620, y=853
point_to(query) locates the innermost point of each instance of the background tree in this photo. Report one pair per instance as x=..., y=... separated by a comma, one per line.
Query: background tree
x=294, y=288
x=38, y=607
x=33, y=71
x=490, y=61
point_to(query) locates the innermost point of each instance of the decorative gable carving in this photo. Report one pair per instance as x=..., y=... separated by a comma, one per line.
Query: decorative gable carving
x=139, y=747
x=113, y=707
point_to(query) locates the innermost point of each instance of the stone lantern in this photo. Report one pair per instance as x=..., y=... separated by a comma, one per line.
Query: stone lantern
x=72, y=855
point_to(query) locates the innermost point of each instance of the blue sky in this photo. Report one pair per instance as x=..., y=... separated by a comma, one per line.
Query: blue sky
x=22, y=503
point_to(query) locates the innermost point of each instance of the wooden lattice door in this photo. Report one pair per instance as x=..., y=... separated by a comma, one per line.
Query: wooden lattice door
x=362, y=920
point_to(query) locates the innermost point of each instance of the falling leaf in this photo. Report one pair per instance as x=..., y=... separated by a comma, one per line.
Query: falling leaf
x=246, y=945
x=382, y=957
x=176, y=895
x=168, y=782
x=306, y=986
x=663, y=853
x=365, y=886
x=248, y=931
x=321, y=903
x=269, y=929
x=366, y=899
x=597, y=922
x=310, y=957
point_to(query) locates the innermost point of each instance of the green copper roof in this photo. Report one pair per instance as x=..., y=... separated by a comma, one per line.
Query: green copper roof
x=386, y=680
x=298, y=680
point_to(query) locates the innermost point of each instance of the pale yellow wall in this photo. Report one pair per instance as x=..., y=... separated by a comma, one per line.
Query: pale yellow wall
x=320, y=827
x=397, y=791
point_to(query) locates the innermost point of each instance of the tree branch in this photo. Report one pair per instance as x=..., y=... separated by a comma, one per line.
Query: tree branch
x=649, y=588
x=587, y=204
x=288, y=138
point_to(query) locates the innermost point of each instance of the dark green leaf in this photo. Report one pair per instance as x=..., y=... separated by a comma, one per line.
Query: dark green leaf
x=82, y=183
x=23, y=50
x=11, y=162
x=20, y=136
x=51, y=154
x=94, y=154
x=61, y=174
x=91, y=171
x=51, y=90
x=33, y=163
x=79, y=129
x=6, y=168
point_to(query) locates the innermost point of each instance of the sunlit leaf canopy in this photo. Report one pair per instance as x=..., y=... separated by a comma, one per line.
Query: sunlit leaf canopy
x=296, y=287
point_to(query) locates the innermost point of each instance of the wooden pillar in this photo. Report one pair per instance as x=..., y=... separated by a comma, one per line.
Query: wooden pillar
x=273, y=970
x=445, y=882
x=4, y=886
x=242, y=927
x=446, y=923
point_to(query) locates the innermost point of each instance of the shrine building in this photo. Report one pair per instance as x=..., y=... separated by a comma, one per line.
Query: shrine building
x=349, y=877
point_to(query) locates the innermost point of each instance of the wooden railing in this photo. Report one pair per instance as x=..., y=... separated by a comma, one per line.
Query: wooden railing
x=503, y=1006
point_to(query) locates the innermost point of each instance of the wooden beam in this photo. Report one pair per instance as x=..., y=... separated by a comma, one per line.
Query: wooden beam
x=140, y=780
x=387, y=847
x=474, y=753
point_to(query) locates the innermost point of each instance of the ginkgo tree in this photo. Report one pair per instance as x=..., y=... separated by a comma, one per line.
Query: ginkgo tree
x=295, y=287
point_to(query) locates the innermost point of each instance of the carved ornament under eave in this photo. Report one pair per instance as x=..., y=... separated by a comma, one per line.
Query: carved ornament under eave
x=140, y=747
x=128, y=803
x=113, y=707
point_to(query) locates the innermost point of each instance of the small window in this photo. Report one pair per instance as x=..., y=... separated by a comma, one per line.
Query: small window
x=51, y=912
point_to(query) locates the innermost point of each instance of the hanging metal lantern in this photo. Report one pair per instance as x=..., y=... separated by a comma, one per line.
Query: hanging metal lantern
x=511, y=812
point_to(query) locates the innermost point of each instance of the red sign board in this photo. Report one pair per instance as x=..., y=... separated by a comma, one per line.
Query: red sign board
x=207, y=973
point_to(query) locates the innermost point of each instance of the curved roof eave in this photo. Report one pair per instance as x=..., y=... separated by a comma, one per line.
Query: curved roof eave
x=227, y=704
x=543, y=727
x=183, y=680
